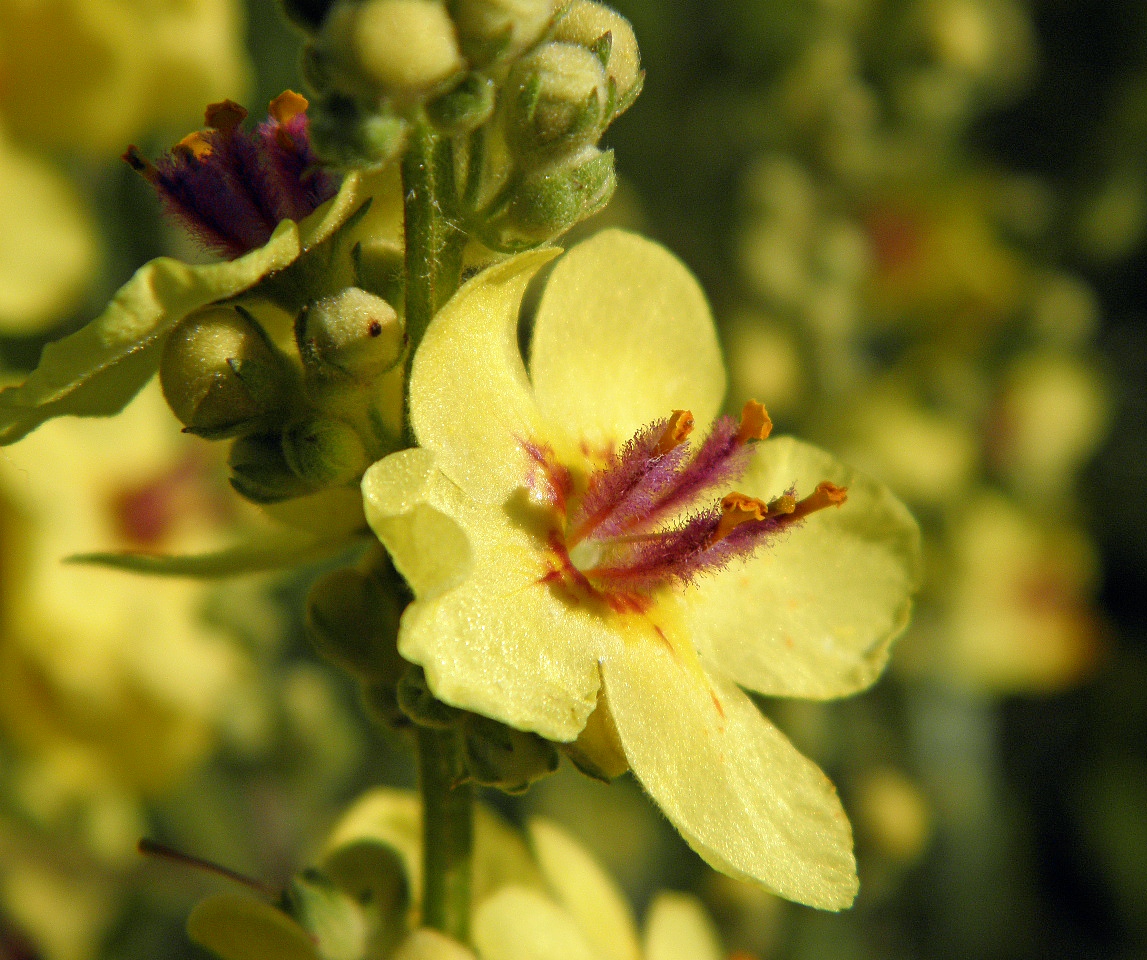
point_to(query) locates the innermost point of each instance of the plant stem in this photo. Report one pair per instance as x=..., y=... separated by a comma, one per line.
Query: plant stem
x=434, y=243
x=447, y=833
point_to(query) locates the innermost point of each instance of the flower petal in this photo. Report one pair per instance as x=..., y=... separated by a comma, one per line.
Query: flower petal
x=521, y=924
x=586, y=891
x=236, y=927
x=427, y=944
x=470, y=401
x=741, y=795
x=678, y=928
x=623, y=337
x=812, y=615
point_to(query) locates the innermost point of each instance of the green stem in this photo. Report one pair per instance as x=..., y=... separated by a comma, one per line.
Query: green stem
x=447, y=833
x=434, y=244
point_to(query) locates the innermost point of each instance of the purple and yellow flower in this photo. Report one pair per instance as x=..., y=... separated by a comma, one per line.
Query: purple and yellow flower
x=579, y=574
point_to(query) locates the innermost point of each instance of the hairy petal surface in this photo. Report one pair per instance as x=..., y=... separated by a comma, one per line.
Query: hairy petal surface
x=470, y=400
x=814, y=613
x=491, y=637
x=741, y=795
x=623, y=337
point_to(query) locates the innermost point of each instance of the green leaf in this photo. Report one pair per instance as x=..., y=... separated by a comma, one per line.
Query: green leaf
x=272, y=551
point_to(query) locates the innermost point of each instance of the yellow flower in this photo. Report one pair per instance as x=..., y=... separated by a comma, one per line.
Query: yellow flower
x=547, y=899
x=534, y=607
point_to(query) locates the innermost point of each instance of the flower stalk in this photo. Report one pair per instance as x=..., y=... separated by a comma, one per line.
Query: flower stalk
x=447, y=832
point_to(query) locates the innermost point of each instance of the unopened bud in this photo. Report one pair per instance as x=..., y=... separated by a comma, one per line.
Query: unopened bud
x=324, y=452
x=353, y=332
x=404, y=48
x=609, y=35
x=220, y=374
x=466, y=107
x=346, y=135
x=420, y=705
x=260, y=472
x=500, y=29
x=352, y=620
x=551, y=201
x=557, y=100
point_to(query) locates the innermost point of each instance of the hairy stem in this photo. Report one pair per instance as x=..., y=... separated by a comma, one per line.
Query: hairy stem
x=447, y=833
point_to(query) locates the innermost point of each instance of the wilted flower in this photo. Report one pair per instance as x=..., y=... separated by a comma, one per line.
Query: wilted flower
x=566, y=553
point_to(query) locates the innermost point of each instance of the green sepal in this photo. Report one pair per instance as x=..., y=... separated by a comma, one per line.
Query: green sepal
x=500, y=756
x=418, y=703
x=260, y=471
x=334, y=919
x=352, y=621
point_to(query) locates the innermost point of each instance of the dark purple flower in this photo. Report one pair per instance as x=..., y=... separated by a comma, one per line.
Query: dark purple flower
x=229, y=187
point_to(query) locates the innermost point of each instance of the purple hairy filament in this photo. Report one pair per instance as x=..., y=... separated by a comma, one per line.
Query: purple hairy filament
x=229, y=187
x=647, y=517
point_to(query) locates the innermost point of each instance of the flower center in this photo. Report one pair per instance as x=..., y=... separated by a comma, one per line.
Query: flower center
x=647, y=517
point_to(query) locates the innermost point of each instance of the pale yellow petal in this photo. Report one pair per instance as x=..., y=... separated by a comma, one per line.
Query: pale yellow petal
x=502, y=643
x=427, y=944
x=470, y=401
x=522, y=924
x=678, y=928
x=737, y=790
x=813, y=614
x=236, y=927
x=586, y=891
x=403, y=495
x=623, y=337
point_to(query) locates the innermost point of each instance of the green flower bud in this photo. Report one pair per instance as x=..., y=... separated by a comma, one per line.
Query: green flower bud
x=405, y=49
x=346, y=135
x=557, y=99
x=353, y=332
x=609, y=35
x=324, y=452
x=352, y=621
x=220, y=373
x=500, y=29
x=466, y=107
x=260, y=472
x=552, y=200
x=502, y=757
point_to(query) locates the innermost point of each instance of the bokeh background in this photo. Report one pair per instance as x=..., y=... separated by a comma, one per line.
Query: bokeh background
x=922, y=225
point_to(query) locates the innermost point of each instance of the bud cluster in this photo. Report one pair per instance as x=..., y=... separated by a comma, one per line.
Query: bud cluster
x=305, y=411
x=521, y=91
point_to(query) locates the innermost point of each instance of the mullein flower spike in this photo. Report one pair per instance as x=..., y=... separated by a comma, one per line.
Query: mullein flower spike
x=230, y=188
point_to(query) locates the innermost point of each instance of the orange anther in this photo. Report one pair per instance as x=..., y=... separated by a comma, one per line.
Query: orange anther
x=225, y=116
x=737, y=509
x=288, y=105
x=826, y=494
x=755, y=422
x=195, y=145
x=676, y=431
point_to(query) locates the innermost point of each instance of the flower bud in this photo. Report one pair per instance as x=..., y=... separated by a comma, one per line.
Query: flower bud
x=609, y=35
x=551, y=201
x=220, y=374
x=466, y=107
x=420, y=705
x=557, y=99
x=404, y=48
x=346, y=135
x=352, y=621
x=324, y=452
x=500, y=29
x=353, y=332
x=260, y=472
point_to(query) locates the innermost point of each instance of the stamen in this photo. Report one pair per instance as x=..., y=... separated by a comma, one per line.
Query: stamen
x=736, y=509
x=755, y=422
x=825, y=495
x=676, y=432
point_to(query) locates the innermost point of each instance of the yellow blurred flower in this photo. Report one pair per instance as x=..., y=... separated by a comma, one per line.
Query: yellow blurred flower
x=547, y=584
